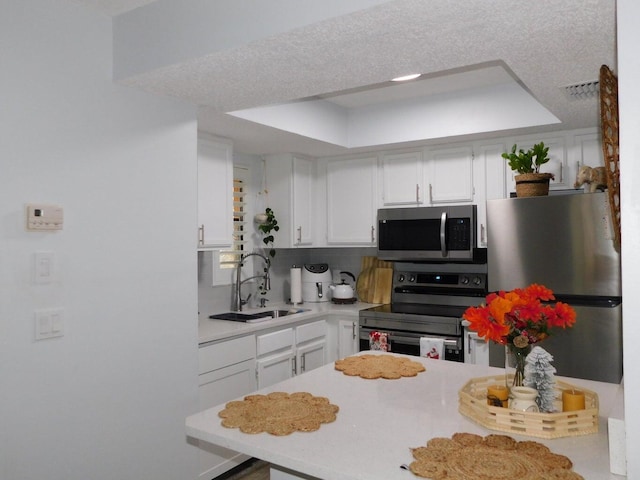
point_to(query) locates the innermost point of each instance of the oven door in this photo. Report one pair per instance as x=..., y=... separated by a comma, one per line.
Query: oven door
x=408, y=343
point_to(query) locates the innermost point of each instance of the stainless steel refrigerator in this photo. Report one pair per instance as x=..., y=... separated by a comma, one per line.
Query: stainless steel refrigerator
x=564, y=242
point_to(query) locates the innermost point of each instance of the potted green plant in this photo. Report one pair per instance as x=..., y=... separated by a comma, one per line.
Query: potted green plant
x=268, y=224
x=529, y=181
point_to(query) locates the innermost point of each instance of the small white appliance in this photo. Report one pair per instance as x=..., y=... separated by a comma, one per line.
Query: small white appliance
x=316, y=278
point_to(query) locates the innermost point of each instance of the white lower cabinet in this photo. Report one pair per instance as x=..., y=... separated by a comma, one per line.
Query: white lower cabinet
x=276, y=357
x=476, y=350
x=291, y=351
x=348, y=342
x=227, y=370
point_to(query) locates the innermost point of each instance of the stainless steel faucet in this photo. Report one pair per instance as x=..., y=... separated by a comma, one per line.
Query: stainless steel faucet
x=238, y=301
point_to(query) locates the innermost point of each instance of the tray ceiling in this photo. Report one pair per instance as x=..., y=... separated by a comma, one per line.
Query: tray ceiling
x=546, y=44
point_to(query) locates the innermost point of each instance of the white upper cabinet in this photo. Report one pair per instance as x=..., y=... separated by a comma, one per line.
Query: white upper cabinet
x=351, y=201
x=450, y=175
x=290, y=183
x=215, y=193
x=303, y=201
x=402, y=180
x=490, y=173
x=587, y=151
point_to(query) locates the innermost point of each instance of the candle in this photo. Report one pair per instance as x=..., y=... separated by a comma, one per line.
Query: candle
x=497, y=393
x=572, y=400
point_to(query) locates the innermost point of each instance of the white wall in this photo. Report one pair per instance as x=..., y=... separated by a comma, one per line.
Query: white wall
x=629, y=102
x=109, y=398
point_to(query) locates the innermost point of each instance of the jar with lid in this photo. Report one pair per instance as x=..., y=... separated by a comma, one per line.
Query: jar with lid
x=523, y=399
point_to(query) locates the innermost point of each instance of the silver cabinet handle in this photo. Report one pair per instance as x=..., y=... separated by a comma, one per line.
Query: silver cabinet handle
x=417, y=193
x=300, y=234
x=430, y=194
x=561, y=172
x=353, y=330
x=373, y=234
x=293, y=366
x=482, y=234
x=469, y=344
x=302, y=362
x=201, y=234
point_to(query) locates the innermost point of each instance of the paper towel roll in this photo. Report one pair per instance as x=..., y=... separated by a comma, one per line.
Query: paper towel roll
x=296, y=284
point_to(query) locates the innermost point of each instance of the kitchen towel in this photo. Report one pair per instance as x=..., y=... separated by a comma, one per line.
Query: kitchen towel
x=295, y=274
x=379, y=341
x=432, y=348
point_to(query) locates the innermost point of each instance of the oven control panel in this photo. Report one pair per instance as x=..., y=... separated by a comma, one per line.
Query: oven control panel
x=439, y=282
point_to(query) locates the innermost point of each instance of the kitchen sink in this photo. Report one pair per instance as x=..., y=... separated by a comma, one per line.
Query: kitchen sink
x=254, y=317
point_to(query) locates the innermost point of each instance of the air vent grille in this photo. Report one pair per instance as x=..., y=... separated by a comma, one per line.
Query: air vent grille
x=583, y=90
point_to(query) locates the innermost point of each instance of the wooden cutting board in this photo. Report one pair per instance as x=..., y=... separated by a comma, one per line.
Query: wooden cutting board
x=374, y=281
x=365, y=279
x=383, y=278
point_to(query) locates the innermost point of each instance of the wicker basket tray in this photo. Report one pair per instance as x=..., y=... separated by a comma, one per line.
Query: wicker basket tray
x=473, y=404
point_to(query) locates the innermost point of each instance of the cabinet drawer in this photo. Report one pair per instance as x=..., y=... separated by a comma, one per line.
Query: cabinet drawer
x=310, y=331
x=271, y=342
x=218, y=355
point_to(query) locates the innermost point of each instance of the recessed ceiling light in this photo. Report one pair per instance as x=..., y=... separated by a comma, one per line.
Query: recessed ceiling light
x=406, y=77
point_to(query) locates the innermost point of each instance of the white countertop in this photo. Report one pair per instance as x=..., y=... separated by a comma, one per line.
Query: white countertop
x=211, y=330
x=380, y=420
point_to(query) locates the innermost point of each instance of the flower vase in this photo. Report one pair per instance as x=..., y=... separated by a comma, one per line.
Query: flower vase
x=514, y=365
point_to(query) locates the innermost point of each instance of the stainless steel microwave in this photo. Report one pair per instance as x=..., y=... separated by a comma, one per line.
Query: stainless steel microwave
x=439, y=234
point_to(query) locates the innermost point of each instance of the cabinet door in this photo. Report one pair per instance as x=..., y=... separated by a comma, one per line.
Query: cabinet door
x=402, y=179
x=217, y=387
x=476, y=349
x=303, y=198
x=494, y=177
x=351, y=206
x=450, y=175
x=291, y=184
x=347, y=338
x=275, y=368
x=589, y=150
x=311, y=355
x=215, y=194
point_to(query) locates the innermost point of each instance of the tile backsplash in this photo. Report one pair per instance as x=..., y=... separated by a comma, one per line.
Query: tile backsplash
x=218, y=299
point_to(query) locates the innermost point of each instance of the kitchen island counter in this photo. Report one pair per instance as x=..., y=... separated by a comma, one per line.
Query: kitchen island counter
x=380, y=420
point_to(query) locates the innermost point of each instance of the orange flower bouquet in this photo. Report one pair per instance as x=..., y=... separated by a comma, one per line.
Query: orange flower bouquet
x=519, y=319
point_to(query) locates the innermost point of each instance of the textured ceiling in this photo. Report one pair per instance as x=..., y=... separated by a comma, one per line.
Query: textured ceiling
x=114, y=7
x=547, y=44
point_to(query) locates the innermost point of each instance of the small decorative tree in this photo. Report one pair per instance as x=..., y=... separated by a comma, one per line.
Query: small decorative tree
x=539, y=374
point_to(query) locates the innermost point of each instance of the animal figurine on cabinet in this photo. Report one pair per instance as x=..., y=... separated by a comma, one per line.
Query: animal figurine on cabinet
x=595, y=177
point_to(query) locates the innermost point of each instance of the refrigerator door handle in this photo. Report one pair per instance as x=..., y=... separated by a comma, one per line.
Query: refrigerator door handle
x=443, y=224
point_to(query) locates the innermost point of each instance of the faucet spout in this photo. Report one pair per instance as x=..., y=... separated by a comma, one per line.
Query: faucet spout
x=238, y=302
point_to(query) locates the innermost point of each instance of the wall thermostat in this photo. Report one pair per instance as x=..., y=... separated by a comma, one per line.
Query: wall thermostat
x=44, y=217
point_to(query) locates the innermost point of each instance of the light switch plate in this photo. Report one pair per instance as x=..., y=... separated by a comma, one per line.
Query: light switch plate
x=49, y=323
x=44, y=268
x=42, y=217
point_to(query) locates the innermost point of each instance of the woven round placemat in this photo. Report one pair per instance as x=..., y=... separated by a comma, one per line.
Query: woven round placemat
x=379, y=366
x=278, y=413
x=467, y=456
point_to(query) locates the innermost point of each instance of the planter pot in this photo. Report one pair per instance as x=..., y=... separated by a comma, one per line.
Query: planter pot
x=260, y=218
x=533, y=184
